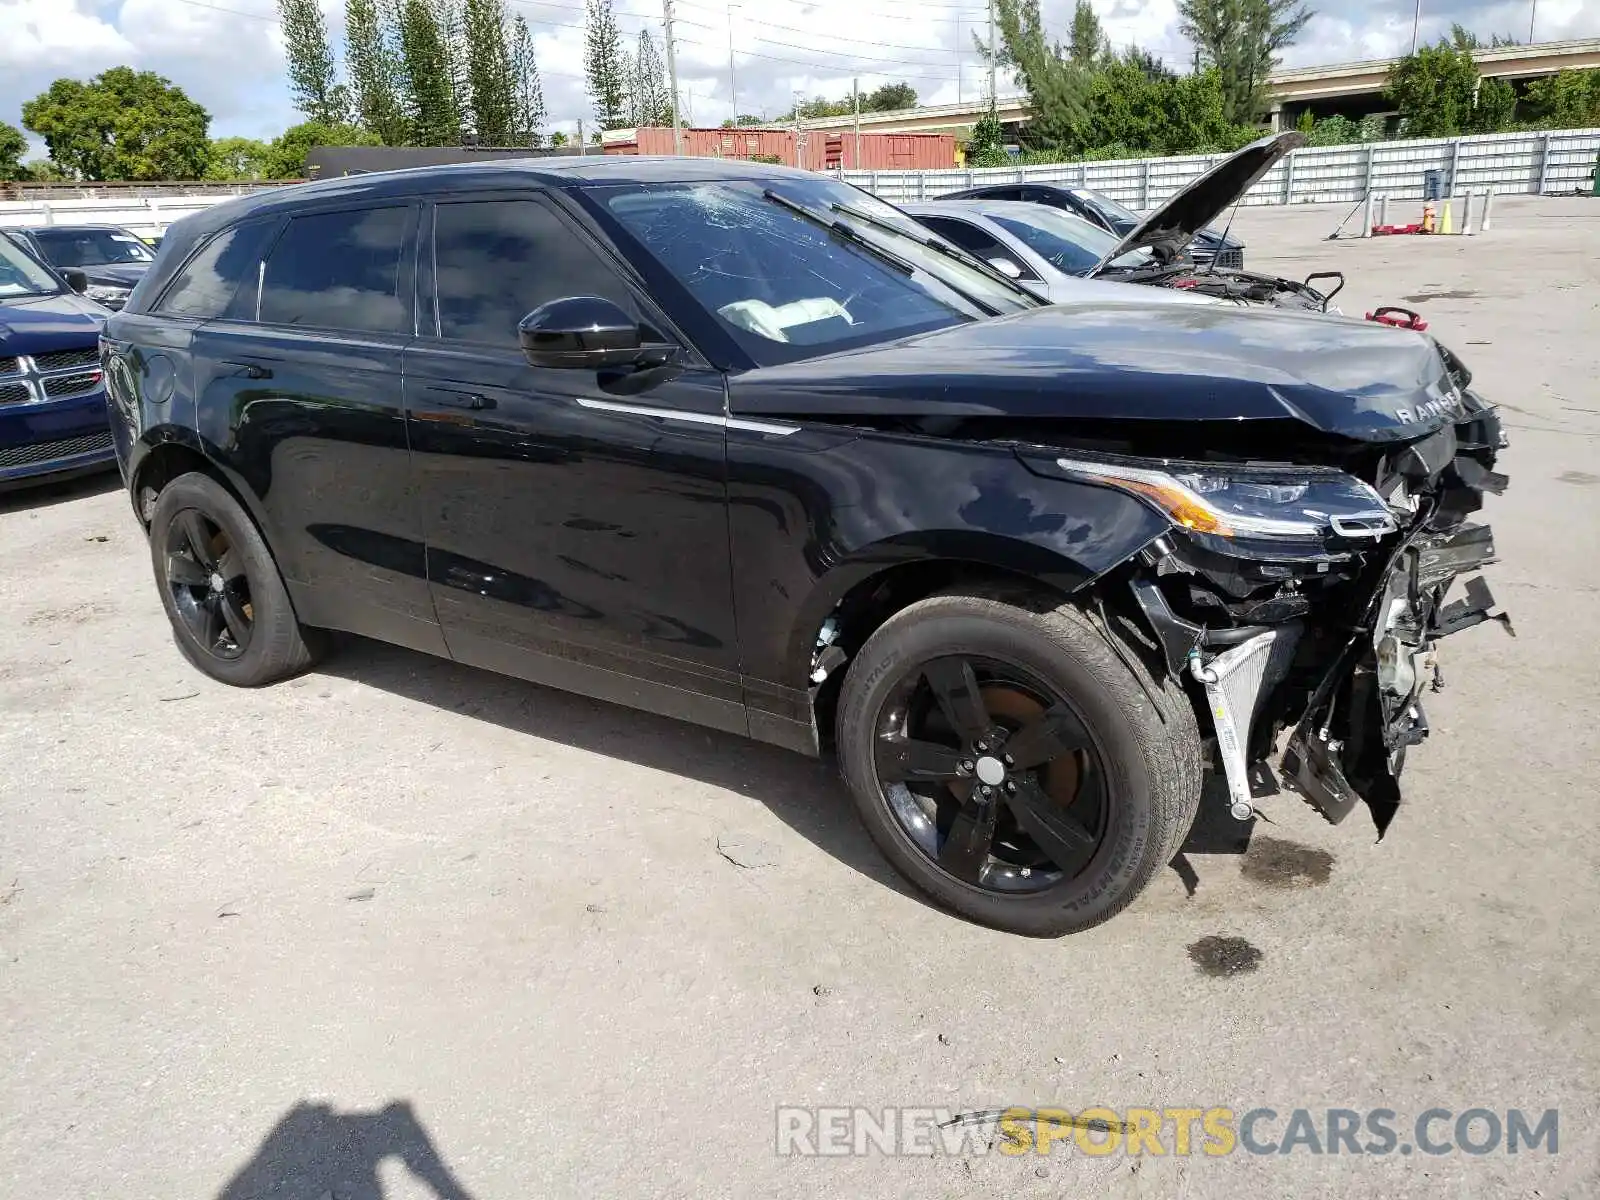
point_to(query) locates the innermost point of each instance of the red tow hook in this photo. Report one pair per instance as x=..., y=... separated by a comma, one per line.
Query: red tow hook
x=1400, y=318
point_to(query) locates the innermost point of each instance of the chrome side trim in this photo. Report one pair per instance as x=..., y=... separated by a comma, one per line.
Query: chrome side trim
x=694, y=418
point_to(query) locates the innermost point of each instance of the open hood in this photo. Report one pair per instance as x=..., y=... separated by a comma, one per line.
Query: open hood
x=1176, y=223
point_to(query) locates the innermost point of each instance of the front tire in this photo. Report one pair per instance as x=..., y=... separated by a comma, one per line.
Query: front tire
x=230, y=612
x=1012, y=764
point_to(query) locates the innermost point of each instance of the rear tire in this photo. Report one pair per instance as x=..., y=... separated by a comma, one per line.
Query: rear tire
x=1133, y=734
x=230, y=612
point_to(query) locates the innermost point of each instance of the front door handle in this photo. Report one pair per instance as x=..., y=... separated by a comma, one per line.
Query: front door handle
x=249, y=370
x=455, y=398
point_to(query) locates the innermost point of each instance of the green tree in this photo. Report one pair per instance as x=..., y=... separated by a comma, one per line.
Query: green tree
x=429, y=97
x=1241, y=38
x=984, y=149
x=1088, y=43
x=558, y=138
x=42, y=170
x=605, y=65
x=1565, y=100
x=489, y=75
x=238, y=158
x=286, y=156
x=649, y=97
x=313, y=80
x=13, y=145
x=891, y=97
x=377, y=82
x=122, y=124
x=1439, y=94
x=528, y=115
x=1056, y=85
x=450, y=18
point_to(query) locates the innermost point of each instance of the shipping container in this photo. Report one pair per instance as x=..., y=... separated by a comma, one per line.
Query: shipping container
x=815, y=149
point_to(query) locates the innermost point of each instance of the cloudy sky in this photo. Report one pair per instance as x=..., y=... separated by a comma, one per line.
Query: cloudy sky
x=228, y=54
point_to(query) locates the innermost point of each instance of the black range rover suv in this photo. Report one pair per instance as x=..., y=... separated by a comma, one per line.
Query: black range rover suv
x=750, y=448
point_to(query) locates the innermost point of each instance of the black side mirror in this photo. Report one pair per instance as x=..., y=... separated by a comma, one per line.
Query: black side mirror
x=580, y=333
x=76, y=279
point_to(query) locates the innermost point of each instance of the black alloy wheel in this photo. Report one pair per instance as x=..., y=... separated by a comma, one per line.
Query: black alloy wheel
x=992, y=773
x=230, y=612
x=1015, y=760
x=210, y=592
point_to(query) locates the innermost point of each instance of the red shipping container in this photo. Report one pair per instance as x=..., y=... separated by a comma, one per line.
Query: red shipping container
x=815, y=149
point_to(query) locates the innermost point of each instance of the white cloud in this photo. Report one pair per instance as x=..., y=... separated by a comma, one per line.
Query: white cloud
x=228, y=55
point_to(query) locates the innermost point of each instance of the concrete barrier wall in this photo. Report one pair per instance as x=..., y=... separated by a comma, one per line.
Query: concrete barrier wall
x=1534, y=163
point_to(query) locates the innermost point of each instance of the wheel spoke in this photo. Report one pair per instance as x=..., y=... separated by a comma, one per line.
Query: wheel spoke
x=1056, y=733
x=193, y=527
x=183, y=570
x=965, y=848
x=907, y=760
x=238, y=625
x=956, y=689
x=231, y=565
x=208, y=622
x=1058, y=834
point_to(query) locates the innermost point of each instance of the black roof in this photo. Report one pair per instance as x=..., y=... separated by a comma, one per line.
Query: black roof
x=481, y=175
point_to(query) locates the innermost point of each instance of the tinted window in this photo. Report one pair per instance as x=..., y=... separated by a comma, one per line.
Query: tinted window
x=497, y=261
x=91, y=247
x=339, y=271
x=1069, y=244
x=975, y=241
x=20, y=275
x=783, y=285
x=210, y=281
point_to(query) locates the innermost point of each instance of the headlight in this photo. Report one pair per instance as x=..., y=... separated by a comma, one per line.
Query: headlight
x=1282, y=503
x=107, y=293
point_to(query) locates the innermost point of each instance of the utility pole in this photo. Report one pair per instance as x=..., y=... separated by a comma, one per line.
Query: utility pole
x=992, y=93
x=733, y=75
x=1533, y=15
x=958, y=57
x=1416, y=23
x=797, y=95
x=672, y=76
x=855, y=96
x=582, y=149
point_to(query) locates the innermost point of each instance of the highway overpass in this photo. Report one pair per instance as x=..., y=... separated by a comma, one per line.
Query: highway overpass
x=1354, y=89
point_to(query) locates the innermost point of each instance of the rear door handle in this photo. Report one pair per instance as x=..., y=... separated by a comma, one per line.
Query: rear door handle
x=455, y=398
x=249, y=370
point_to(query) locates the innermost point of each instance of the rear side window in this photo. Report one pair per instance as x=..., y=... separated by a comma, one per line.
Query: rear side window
x=339, y=270
x=208, y=285
x=976, y=241
x=496, y=261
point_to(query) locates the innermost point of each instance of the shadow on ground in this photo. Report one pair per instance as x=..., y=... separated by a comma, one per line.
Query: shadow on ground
x=19, y=496
x=803, y=793
x=315, y=1152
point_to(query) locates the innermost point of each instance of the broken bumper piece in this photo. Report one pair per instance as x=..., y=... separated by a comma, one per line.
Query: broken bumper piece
x=1367, y=710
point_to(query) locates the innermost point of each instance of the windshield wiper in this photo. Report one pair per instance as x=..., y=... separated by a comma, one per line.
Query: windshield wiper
x=844, y=230
x=932, y=242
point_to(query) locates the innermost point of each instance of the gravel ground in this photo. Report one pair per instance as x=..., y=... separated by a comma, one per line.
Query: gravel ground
x=403, y=928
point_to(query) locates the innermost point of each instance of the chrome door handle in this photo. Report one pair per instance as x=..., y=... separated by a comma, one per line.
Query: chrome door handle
x=455, y=398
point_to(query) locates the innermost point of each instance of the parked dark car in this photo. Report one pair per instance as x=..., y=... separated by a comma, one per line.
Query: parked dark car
x=745, y=446
x=52, y=401
x=1210, y=245
x=112, y=259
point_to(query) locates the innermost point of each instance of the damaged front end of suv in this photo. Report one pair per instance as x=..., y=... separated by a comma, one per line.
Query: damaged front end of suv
x=1308, y=596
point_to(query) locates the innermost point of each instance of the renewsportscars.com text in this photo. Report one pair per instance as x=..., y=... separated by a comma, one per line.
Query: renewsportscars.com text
x=1212, y=1132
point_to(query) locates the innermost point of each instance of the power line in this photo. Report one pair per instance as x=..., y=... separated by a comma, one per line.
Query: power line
x=852, y=41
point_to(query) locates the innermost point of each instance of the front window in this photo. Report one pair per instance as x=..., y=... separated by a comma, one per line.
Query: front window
x=1068, y=244
x=91, y=247
x=782, y=284
x=1116, y=216
x=21, y=274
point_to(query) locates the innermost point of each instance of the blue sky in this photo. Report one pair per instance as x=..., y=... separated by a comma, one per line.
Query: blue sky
x=227, y=54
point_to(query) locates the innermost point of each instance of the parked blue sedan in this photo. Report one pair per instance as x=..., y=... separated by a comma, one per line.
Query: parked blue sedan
x=52, y=394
